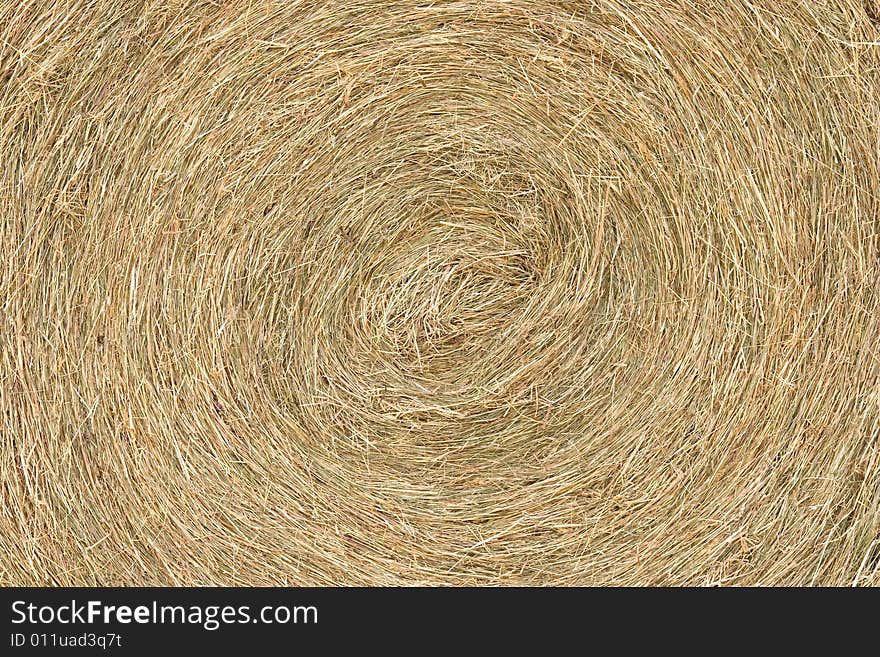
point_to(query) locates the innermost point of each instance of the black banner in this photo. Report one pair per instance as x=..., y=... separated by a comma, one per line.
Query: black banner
x=131, y=620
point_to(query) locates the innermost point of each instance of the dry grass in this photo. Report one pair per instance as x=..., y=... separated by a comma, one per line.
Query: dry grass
x=471, y=292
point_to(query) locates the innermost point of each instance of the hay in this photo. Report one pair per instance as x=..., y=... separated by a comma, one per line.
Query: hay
x=496, y=292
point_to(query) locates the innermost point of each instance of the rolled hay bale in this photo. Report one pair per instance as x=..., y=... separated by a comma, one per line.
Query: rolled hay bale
x=472, y=292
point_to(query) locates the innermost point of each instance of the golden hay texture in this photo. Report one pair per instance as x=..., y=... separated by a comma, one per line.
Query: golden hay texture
x=413, y=292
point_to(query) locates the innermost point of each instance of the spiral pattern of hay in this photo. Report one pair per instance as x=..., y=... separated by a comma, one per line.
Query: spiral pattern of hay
x=470, y=292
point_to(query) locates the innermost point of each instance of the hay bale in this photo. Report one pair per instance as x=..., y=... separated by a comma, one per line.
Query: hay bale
x=496, y=292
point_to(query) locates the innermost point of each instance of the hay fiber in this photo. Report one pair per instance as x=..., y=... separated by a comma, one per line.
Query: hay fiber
x=455, y=292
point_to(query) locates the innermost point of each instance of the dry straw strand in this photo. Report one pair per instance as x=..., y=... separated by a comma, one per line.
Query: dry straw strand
x=456, y=292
